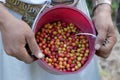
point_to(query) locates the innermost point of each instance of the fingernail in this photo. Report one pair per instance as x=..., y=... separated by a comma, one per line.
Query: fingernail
x=97, y=46
x=40, y=55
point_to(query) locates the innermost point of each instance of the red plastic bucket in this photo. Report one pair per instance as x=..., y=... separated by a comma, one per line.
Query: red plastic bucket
x=70, y=15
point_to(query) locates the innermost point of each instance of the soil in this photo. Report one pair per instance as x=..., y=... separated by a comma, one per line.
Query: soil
x=110, y=68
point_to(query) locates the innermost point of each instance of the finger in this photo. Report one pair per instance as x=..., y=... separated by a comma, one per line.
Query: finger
x=100, y=39
x=103, y=52
x=34, y=47
x=24, y=56
x=107, y=48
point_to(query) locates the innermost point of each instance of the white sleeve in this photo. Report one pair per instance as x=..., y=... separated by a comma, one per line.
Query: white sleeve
x=35, y=1
x=3, y=1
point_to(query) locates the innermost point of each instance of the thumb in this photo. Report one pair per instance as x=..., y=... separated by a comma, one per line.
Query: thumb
x=34, y=47
x=100, y=39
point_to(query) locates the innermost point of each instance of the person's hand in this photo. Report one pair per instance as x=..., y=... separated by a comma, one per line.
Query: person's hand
x=15, y=35
x=106, y=37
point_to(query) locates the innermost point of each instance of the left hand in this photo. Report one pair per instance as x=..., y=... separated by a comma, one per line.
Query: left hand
x=106, y=31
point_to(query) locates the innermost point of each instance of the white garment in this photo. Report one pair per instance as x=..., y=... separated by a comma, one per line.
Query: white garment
x=13, y=69
x=35, y=1
x=3, y=1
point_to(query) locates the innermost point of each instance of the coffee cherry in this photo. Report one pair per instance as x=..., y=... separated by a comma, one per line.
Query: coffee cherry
x=63, y=50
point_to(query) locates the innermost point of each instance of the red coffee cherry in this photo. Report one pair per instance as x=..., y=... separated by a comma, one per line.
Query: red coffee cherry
x=63, y=50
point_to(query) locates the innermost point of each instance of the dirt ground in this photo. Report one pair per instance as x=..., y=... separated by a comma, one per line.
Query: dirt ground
x=110, y=68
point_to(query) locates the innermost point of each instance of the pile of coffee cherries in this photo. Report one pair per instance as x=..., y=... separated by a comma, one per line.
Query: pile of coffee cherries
x=63, y=49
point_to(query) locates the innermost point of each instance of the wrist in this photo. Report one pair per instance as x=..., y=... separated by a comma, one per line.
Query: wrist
x=103, y=8
x=101, y=3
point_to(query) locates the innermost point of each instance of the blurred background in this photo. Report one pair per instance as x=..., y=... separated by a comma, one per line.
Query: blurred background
x=110, y=68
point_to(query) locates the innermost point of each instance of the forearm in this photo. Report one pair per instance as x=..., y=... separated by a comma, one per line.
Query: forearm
x=4, y=15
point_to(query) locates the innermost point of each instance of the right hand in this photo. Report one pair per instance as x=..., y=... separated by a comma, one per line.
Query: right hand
x=15, y=35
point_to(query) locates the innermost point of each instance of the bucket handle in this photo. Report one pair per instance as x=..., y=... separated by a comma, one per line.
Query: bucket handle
x=94, y=36
x=88, y=34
